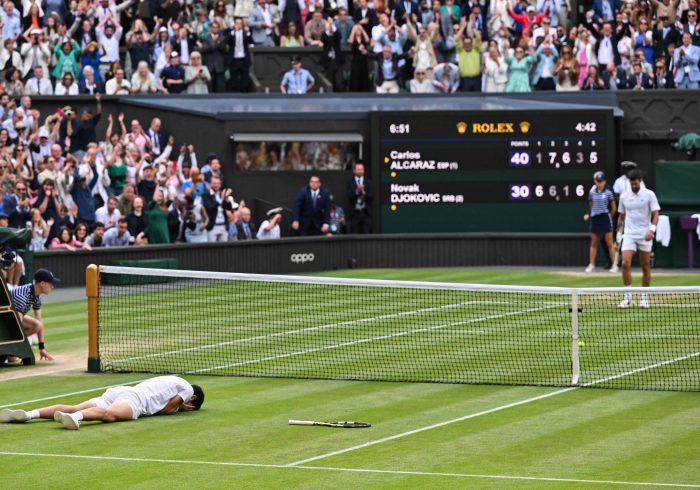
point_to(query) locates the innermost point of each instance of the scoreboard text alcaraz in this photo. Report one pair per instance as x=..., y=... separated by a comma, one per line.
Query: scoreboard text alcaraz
x=505, y=171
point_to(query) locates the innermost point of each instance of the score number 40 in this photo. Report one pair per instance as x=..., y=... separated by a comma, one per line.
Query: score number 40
x=522, y=158
x=523, y=192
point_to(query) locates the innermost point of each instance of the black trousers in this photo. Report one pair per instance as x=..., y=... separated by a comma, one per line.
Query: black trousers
x=545, y=84
x=361, y=222
x=470, y=84
x=239, y=80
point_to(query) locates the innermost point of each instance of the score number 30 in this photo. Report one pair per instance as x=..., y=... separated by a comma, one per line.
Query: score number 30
x=523, y=192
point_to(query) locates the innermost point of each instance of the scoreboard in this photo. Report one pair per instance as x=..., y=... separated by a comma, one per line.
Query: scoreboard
x=489, y=171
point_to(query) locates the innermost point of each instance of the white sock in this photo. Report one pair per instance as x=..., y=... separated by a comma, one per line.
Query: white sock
x=645, y=296
x=33, y=414
x=78, y=416
x=628, y=296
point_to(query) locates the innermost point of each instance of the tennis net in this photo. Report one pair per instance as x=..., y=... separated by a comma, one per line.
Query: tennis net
x=165, y=321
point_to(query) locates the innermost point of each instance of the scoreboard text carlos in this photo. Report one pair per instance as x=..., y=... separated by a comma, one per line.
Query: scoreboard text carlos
x=505, y=171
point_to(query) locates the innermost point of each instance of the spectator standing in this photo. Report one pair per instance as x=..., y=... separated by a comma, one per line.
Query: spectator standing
x=495, y=71
x=388, y=77
x=137, y=222
x=518, y=68
x=108, y=33
x=543, y=74
x=35, y=52
x=298, y=80
x=567, y=70
x=359, y=64
x=196, y=221
x=213, y=201
x=685, y=60
x=197, y=76
x=81, y=192
x=83, y=132
x=157, y=214
x=173, y=75
x=40, y=231
x=214, y=50
x=263, y=22
x=311, y=210
x=239, y=39
x=469, y=55
x=360, y=195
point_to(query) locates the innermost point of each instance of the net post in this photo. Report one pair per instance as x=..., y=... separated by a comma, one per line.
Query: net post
x=575, y=347
x=92, y=291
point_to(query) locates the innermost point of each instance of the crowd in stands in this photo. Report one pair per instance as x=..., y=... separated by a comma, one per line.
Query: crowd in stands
x=68, y=47
x=77, y=189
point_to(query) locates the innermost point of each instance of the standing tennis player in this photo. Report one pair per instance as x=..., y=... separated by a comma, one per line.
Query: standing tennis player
x=163, y=395
x=639, y=213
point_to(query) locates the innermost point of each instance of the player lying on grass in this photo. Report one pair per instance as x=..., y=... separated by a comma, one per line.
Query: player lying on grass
x=163, y=395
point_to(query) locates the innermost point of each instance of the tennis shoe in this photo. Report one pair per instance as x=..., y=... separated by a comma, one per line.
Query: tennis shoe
x=626, y=303
x=8, y=415
x=614, y=269
x=644, y=303
x=590, y=268
x=68, y=420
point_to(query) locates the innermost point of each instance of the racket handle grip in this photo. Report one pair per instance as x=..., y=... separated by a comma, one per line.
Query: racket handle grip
x=301, y=422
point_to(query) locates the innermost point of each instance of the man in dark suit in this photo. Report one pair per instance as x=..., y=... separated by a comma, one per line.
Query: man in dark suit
x=214, y=50
x=664, y=35
x=157, y=138
x=239, y=39
x=176, y=222
x=639, y=80
x=403, y=8
x=245, y=228
x=360, y=195
x=365, y=16
x=312, y=206
x=614, y=77
x=332, y=59
x=388, y=77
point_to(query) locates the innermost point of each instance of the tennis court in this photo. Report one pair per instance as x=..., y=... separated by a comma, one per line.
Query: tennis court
x=436, y=435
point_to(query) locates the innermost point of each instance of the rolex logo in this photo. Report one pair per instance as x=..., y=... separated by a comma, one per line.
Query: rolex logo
x=524, y=127
x=461, y=127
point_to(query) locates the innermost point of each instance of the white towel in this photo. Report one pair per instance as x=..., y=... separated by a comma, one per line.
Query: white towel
x=697, y=230
x=663, y=230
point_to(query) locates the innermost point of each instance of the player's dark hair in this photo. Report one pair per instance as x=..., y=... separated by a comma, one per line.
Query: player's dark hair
x=199, y=396
x=635, y=174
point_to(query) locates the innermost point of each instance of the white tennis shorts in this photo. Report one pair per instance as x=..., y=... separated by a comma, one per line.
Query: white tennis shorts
x=121, y=394
x=636, y=244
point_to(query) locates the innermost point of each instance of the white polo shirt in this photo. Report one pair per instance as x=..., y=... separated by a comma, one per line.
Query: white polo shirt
x=155, y=393
x=638, y=208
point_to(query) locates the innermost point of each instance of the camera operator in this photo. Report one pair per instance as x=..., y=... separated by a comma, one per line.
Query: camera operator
x=34, y=52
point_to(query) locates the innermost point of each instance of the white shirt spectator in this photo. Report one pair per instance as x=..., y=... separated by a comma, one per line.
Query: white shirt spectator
x=424, y=86
x=264, y=234
x=63, y=90
x=110, y=220
x=112, y=87
x=11, y=24
x=35, y=86
x=110, y=45
x=605, y=51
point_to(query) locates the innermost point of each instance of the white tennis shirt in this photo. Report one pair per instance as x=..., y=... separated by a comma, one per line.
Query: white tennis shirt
x=638, y=208
x=155, y=393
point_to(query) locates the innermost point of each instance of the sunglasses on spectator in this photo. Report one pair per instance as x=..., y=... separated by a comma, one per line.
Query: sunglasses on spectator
x=20, y=189
x=420, y=73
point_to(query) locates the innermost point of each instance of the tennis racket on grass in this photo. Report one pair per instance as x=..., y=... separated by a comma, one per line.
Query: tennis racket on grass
x=344, y=425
